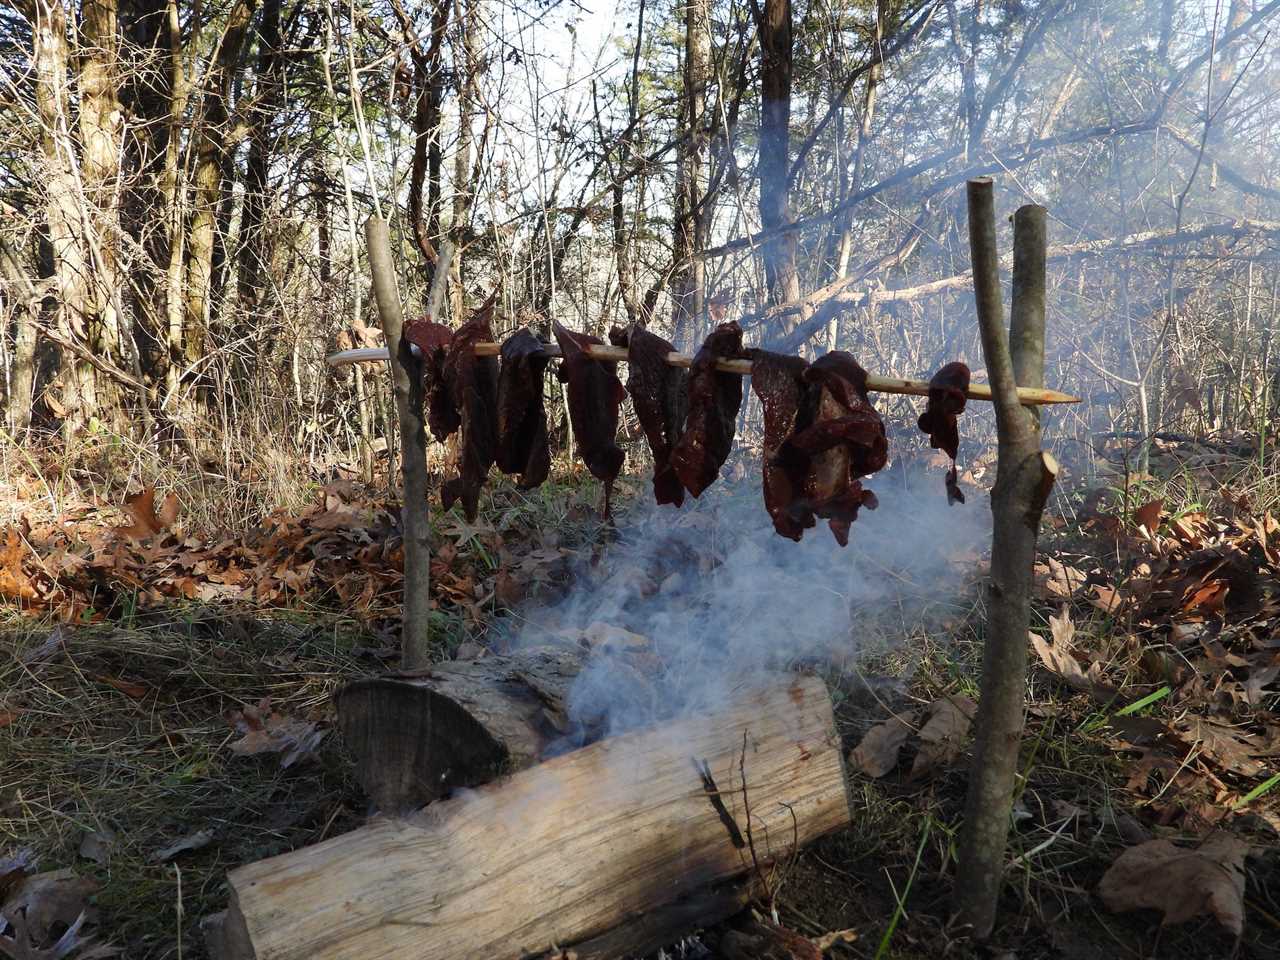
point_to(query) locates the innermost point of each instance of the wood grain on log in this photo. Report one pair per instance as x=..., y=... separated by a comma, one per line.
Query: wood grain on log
x=463, y=723
x=565, y=851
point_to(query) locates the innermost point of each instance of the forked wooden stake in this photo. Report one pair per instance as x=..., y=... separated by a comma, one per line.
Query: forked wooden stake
x=875, y=383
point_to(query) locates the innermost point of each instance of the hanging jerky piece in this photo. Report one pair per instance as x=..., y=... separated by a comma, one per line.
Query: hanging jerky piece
x=843, y=439
x=714, y=401
x=432, y=340
x=522, y=419
x=473, y=384
x=595, y=393
x=778, y=381
x=660, y=395
x=946, y=401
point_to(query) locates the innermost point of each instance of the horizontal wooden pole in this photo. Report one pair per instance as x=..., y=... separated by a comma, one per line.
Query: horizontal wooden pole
x=875, y=383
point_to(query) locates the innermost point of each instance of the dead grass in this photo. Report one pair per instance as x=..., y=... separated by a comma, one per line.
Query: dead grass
x=84, y=756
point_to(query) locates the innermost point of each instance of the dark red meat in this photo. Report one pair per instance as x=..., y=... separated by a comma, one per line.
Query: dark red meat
x=595, y=392
x=432, y=340
x=522, y=420
x=778, y=381
x=714, y=401
x=839, y=438
x=946, y=402
x=473, y=383
x=660, y=395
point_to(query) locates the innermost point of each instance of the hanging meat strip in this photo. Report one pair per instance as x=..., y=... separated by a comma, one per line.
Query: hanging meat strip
x=660, y=395
x=842, y=438
x=778, y=381
x=522, y=420
x=432, y=340
x=946, y=402
x=714, y=401
x=595, y=393
x=473, y=384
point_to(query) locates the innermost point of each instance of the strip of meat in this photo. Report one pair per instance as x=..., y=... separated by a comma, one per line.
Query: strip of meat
x=473, y=383
x=595, y=392
x=660, y=395
x=946, y=402
x=714, y=401
x=432, y=340
x=778, y=381
x=522, y=420
x=843, y=439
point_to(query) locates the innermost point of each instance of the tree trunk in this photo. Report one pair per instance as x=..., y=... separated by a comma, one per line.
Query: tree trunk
x=69, y=255
x=779, y=251
x=101, y=123
x=22, y=377
x=689, y=281
x=253, y=274
x=467, y=64
x=1024, y=478
x=207, y=181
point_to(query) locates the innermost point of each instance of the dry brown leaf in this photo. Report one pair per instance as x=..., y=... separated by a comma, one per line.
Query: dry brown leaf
x=277, y=733
x=147, y=522
x=877, y=753
x=1059, y=660
x=48, y=902
x=14, y=582
x=1182, y=884
x=1106, y=599
x=135, y=691
x=193, y=841
x=942, y=737
x=1148, y=515
x=1055, y=579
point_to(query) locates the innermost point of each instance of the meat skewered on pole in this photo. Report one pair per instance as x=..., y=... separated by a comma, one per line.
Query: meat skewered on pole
x=877, y=384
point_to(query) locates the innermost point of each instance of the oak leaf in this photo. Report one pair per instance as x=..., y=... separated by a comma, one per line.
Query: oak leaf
x=877, y=753
x=942, y=737
x=1182, y=884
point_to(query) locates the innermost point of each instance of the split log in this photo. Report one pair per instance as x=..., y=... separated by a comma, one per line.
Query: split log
x=416, y=737
x=568, y=850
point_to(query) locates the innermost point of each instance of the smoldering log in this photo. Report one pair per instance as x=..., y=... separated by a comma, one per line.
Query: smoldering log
x=568, y=850
x=415, y=737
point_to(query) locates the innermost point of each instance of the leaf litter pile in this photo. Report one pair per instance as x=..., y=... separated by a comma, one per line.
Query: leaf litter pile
x=165, y=694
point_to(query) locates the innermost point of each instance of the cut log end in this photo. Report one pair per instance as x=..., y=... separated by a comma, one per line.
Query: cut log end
x=416, y=738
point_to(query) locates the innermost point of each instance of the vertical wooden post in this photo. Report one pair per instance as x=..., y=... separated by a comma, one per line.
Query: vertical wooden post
x=1024, y=477
x=406, y=378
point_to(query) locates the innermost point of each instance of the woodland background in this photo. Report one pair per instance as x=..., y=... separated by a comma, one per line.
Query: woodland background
x=183, y=186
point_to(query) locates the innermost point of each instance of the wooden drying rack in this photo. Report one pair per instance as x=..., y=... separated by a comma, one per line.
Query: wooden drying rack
x=917, y=388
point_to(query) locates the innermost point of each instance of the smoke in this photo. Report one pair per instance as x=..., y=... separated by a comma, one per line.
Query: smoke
x=689, y=604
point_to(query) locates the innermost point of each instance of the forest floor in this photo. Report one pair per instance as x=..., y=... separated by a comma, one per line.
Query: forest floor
x=166, y=682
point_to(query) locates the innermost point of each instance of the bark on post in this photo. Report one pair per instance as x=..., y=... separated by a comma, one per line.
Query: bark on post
x=1024, y=477
x=406, y=379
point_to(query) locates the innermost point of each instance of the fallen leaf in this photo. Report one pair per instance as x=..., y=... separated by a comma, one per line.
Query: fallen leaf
x=8, y=716
x=292, y=739
x=135, y=691
x=147, y=523
x=48, y=904
x=1106, y=599
x=1055, y=579
x=1182, y=884
x=942, y=737
x=96, y=845
x=1148, y=515
x=1059, y=660
x=13, y=869
x=193, y=841
x=14, y=582
x=877, y=753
